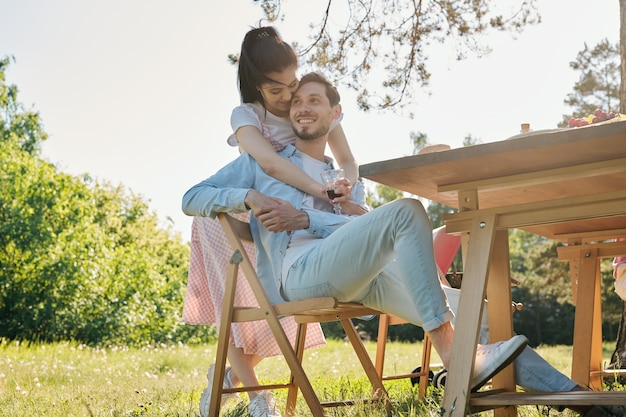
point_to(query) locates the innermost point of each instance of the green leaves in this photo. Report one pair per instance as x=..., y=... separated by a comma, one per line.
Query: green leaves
x=80, y=260
x=598, y=85
x=17, y=125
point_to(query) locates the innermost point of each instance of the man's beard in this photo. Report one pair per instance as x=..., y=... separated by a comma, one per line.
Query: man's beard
x=306, y=134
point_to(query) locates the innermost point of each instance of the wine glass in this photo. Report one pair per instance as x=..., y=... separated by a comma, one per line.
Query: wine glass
x=330, y=178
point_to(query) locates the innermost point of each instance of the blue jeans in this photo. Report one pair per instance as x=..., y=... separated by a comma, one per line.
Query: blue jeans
x=532, y=372
x=383, y=260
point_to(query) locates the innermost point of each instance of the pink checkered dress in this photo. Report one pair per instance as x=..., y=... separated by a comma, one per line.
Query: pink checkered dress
x=210, y=253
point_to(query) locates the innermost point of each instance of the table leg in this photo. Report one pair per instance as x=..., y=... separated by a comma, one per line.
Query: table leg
x=499, y=307
x=587, y=348
x=456, y=396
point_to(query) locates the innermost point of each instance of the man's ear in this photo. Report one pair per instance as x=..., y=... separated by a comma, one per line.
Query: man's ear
x=337, y=112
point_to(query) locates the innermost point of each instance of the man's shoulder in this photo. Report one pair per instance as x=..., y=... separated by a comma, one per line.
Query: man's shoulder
x=243, y=161
x=289, y=151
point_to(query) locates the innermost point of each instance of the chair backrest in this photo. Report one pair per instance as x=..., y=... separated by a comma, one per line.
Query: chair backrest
x=236, y=232
x=446, y=247
x=241, y=229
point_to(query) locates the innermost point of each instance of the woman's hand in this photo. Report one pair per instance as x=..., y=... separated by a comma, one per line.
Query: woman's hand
x=344, y=188
x=349, y=207
x=353, y=209
x=281, y=216
x=255, y=201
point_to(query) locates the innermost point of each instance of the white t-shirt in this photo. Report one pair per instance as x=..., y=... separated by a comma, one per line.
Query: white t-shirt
x=301, y=240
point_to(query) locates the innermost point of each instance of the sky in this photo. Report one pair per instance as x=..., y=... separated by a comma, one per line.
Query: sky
x=139, y=92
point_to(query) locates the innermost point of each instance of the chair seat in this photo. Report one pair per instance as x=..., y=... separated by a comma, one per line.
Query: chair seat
x=310, y=310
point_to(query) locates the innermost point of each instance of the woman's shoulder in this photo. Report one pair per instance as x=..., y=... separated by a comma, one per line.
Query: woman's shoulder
x=246, y=114
x=248, y=109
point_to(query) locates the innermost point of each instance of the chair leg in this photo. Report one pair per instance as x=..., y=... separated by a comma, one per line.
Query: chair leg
x=381, y=343
x=223, y=341
x=292, y=393
x=366, y=362
x=300, y=378
x=427, y=345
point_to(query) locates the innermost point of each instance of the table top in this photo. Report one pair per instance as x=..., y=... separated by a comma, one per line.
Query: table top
x=536, y=167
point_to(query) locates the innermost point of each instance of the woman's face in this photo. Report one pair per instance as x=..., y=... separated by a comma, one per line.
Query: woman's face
x=277, y=94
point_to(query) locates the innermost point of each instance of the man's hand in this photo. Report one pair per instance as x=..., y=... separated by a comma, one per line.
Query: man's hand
x=276, y=215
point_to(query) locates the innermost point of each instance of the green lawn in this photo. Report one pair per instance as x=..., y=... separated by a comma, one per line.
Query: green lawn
x=66, y=379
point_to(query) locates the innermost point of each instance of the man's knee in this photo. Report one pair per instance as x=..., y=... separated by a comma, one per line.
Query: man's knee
x=408, y=203
x=410, y=207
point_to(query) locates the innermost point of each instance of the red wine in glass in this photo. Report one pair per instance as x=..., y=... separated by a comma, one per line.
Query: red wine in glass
x=329, y=178
x=332, y=194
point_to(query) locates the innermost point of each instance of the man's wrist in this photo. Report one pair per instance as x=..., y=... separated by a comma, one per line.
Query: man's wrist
x=303, y=219
x=245, y=200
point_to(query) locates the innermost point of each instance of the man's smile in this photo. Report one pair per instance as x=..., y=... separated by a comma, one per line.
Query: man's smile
x=305, y=120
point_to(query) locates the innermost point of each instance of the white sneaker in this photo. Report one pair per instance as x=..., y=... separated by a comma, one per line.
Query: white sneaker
x=492, y=358
x=263, y=405
x=205, y=398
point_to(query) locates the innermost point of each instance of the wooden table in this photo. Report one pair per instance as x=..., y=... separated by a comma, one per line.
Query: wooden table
x=564, y=184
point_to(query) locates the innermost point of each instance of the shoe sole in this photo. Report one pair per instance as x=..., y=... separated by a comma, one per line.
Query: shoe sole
x=205, y=399
x=504, y=364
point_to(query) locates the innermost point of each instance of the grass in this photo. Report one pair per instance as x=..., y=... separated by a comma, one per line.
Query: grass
x=68, y=379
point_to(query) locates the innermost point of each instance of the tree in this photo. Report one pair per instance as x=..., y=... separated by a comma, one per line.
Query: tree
x=544, y=290
x=80, y=260
x=16, y=124
x=598, y=85
x=349, y=44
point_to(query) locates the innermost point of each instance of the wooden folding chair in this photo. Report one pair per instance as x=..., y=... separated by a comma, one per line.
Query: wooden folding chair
x=386, y=320
x=315, y=310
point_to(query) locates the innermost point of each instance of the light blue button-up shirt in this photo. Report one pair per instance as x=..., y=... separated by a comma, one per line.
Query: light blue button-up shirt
x=226, y=192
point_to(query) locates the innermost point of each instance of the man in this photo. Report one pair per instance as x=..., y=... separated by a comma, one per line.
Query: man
x=383, y=259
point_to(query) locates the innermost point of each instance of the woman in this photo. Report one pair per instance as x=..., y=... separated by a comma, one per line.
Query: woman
x=267, y=78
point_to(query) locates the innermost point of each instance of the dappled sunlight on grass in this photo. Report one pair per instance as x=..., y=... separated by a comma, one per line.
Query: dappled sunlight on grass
x=68, y=379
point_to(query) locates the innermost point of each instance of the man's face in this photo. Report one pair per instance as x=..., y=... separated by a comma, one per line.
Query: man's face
x=311, y=113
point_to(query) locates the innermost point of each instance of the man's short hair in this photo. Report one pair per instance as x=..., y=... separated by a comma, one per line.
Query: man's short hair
x=331, y=91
